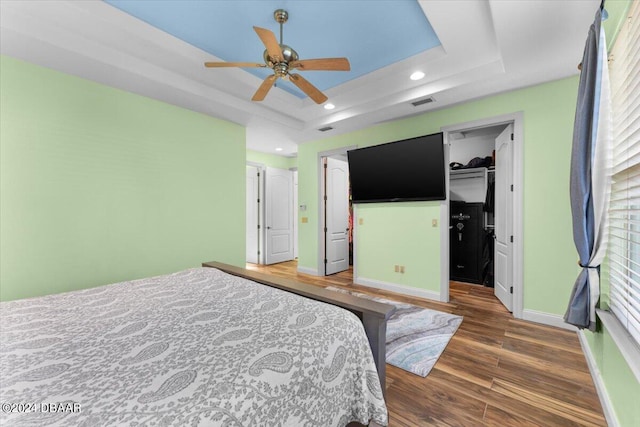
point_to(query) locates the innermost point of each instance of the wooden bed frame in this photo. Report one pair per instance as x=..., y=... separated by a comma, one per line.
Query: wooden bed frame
x=373, y=314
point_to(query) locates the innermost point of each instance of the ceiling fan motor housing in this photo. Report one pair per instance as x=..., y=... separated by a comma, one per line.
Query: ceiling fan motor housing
x=281, y=67
x=288, y=55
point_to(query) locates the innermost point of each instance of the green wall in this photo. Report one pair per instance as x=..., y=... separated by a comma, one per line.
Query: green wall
x=618, y=11
x=381, y=241
x=549, y=268
x=272, y=160
x=100, y=185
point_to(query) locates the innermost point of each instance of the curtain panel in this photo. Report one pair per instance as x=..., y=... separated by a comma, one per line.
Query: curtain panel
x=590, y=185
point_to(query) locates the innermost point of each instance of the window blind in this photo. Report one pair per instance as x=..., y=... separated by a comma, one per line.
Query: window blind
x=624, y=226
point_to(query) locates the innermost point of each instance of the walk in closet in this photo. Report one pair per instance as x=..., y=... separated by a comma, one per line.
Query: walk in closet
x=471, y=206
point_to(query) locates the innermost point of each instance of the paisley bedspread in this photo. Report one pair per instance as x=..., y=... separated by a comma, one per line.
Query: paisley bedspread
x=197, y=347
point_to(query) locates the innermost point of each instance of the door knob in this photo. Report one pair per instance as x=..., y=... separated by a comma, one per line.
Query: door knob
x=460, y=226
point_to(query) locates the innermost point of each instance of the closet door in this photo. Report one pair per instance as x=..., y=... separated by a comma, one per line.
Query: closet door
x=279, y=215
x=503, y=259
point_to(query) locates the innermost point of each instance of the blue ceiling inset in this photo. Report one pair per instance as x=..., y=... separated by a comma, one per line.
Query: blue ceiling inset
x=372, y=34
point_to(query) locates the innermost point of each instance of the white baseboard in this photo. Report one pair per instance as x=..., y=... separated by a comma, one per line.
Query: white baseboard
x=607, y=407
x=394, y=287
x=546, y=319
x=306, y=270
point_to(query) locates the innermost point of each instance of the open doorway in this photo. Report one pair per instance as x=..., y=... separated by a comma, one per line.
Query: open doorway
x=481, y=237
x=337, y=215
x=475, y=249
x=335, y=247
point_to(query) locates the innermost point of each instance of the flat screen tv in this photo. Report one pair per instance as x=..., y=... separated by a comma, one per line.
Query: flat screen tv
x=401, y=171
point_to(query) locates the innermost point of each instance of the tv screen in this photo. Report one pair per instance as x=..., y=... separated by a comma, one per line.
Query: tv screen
x=407, y=170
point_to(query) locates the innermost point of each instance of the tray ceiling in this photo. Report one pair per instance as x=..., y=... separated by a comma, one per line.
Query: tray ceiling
x=467, y=49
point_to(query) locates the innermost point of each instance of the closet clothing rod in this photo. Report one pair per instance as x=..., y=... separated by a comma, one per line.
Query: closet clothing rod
x=454, y=177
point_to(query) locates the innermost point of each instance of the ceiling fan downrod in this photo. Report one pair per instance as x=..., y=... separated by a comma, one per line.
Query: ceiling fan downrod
x=281, y=67
x=281, y=16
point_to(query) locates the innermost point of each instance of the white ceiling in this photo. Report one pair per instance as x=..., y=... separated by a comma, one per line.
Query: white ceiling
x=487, y=47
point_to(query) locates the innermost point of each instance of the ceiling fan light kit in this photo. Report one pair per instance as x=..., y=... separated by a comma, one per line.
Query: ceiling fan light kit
x=282, y=59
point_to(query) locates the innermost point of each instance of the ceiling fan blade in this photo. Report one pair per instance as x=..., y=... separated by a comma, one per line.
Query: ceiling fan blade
x=308, y=88
x=270, y=42
x=264, y=88
x=324, y=64
x=232, y=64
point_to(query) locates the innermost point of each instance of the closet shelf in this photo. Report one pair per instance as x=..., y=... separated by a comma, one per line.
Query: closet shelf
x=467, y=173
x=471, y=185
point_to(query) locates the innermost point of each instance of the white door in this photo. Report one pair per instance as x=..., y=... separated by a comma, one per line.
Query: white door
x=252, y=207
x=503, y=254
x=336, y=215
x=279, y=215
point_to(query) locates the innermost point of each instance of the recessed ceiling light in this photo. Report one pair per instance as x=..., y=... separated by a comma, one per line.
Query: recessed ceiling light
x=417, y=75
x=278, y=149
x=329, y=106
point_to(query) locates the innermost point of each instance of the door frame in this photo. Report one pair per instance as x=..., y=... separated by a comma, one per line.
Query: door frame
x=517, y=119
x=321, y=220
x=296, y=203
x=262, y=170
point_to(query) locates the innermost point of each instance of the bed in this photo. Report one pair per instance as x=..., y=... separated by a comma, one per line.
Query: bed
x=197, y=347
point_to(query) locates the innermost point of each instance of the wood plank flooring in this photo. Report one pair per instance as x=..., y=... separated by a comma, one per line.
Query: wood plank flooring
x=496, y=371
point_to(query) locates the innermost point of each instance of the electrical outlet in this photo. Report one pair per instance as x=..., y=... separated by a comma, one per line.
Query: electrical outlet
x=304, y=219
x=402, y=269
x=434, y=222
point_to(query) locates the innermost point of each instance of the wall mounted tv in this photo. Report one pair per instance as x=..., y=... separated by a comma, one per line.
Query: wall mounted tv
x=402, y=171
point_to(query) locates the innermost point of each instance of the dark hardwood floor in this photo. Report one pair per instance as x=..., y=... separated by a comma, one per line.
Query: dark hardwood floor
x=496, y=371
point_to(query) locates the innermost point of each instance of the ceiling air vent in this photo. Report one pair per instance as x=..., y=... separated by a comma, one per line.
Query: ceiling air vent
x=422, y=101
x=326, y=128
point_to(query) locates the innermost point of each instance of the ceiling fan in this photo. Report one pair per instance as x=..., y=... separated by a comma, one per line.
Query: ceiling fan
x=282, y=59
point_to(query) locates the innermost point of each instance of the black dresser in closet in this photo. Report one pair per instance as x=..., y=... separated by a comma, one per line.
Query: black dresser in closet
x=466, y=241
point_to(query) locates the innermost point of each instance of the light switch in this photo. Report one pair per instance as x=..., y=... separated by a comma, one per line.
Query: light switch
x=360, y=221
x=434, y=222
